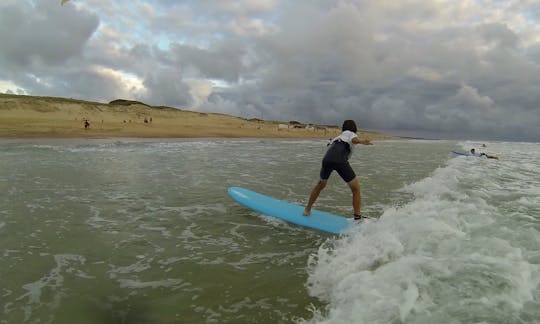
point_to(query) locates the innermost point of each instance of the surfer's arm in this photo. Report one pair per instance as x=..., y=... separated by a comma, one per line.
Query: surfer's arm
x=357, y=140
x=489, y=156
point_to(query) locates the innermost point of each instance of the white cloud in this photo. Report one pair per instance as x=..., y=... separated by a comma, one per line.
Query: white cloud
x=7, y=86
x=245, y=6
x=199, y=90
x=129, y=84
x=424, y=73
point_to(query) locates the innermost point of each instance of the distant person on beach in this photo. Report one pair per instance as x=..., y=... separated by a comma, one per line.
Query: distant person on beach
x=86, y=124
x=473, y=152
x=337, y=158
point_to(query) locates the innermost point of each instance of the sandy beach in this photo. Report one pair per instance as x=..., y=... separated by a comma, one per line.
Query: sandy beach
x=48, y=117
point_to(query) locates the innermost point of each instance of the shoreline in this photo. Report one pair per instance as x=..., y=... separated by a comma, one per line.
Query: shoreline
x=63, y=140
x=28, y=117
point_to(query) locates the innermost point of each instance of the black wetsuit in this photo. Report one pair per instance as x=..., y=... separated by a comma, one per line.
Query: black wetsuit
x=337, y=158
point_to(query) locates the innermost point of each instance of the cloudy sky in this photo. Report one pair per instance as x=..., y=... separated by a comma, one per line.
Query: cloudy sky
x=441, y=68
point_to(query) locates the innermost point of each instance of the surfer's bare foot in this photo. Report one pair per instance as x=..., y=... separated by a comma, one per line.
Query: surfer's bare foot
x=306, y=212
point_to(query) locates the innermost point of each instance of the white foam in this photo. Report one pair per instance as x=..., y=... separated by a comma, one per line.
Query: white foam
x=136, y=267
x=434, y=257
x=136, y=284
x=52, y=281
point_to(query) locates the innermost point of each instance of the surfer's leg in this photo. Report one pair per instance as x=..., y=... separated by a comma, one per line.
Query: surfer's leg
x=347, y=174
x=356, y=196
x=314, y=195
x=324, y=174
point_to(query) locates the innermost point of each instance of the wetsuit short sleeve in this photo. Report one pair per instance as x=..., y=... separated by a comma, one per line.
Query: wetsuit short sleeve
x=347, y=136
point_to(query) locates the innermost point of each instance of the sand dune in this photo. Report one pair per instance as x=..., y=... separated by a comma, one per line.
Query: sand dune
x=47, y=117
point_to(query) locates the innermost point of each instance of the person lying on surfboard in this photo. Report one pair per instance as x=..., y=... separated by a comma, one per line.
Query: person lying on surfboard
x=473, y=152
x=337, y=158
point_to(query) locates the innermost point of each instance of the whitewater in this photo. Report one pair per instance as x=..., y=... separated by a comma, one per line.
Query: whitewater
x=465, y=249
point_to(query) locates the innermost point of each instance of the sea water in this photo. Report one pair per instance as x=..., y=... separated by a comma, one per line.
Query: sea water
x=465, y=249
x=142, y=231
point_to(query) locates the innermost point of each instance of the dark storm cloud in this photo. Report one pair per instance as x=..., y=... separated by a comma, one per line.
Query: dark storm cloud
x=439, y=69
x=41, y=33
x=169, y=87
x=455, y=82
x=37, y=42
x=220, y=62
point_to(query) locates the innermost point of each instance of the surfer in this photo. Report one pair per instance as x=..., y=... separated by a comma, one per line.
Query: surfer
x=473, y=152
x=337, y=158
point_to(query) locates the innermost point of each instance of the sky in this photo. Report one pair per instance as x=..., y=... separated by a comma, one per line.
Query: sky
x=456, y=69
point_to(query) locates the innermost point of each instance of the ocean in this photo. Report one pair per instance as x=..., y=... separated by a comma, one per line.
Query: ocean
x=142, y=231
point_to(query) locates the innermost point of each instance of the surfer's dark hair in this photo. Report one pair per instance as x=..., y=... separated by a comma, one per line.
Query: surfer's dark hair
x=349, y=125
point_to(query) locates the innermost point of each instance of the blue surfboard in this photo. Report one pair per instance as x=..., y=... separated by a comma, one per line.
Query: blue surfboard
x=288, y=211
